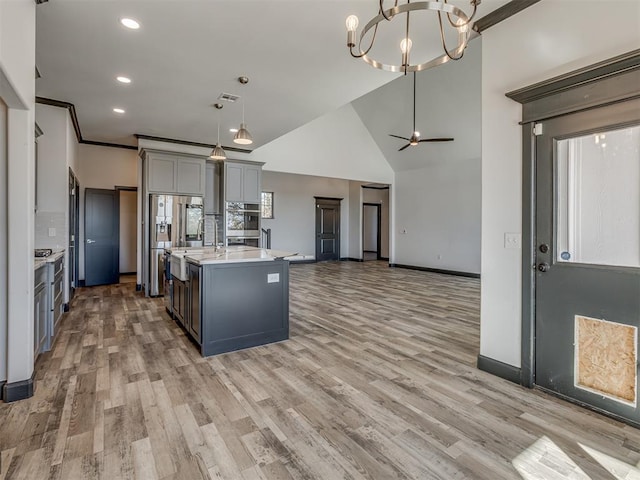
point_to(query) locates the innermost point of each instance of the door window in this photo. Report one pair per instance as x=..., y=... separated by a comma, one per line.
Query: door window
x=598, y=198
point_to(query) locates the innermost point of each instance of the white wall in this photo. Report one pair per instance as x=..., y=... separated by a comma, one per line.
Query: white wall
x=57, y=152
x=3, y=241
x=381, y=197
x=103, y=167
x=52, y=178
x=294, y=224
x=565, y=36
x=335, y=145
x=439, y=207
x=128, y=238
x=370, y=228
x=17, y=91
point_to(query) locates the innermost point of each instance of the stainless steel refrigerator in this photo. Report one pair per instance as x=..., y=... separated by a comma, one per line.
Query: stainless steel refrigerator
x=175, y=221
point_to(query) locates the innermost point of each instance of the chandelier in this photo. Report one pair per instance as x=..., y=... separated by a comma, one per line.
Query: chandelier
x=454, y=18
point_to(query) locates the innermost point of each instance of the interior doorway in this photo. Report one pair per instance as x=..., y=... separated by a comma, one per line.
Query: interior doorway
x=327, y=228
x=102, y=237
x=74, y=228
x=371, y=231
x=128, y=199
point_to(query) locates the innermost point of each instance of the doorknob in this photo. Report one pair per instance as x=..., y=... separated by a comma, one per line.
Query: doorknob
x=543, y=267
x=90, y=241
x=544, y=248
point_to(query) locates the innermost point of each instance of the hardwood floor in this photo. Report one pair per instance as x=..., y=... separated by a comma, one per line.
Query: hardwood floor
x=377, y=381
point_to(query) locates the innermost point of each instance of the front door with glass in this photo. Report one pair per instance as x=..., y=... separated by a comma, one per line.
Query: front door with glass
x=587, y=286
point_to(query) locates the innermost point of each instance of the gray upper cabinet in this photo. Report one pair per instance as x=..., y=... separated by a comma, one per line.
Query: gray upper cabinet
x=243, y=182
x=233, y=182
x=174, y=173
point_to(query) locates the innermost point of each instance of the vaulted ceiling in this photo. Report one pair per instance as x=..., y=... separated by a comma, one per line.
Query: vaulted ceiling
x=187, y=52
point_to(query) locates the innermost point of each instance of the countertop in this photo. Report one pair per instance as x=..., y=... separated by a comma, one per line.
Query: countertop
x=40, y=261
x=237, y=254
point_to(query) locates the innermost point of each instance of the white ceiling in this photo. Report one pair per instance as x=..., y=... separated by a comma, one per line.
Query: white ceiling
x=189, y=51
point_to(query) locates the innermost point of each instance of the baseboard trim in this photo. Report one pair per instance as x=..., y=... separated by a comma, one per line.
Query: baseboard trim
x=499, y=369
x=436, y=270
x=12, y=392
x=299, y=262
x=65, y=307
x=384, y=258
x=81, y=283
x=138, y=287
x=128, y=273
x=350, y=259
x=2, y=389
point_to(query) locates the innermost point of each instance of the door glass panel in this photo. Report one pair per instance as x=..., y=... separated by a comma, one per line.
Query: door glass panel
x=598, y=198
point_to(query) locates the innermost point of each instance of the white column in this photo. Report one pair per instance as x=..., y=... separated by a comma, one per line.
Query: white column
x=20, y=241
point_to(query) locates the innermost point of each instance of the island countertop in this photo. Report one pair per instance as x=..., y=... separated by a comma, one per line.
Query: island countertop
x=238, y=254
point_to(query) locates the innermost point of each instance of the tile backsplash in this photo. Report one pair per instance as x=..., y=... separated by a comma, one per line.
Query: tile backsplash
x=45, y=221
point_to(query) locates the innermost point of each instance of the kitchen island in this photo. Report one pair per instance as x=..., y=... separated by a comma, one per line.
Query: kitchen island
x=234, y=298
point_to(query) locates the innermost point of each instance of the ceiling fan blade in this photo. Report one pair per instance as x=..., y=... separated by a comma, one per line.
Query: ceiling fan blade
x=436, y=140
x=398, y=136
x=402, y=148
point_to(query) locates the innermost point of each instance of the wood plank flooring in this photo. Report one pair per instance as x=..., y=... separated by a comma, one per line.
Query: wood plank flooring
x=378, y=381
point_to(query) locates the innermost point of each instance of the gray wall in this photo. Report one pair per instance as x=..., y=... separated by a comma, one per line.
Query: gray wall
x=293, y=225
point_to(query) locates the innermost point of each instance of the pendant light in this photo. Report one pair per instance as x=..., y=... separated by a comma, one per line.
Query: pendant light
x=242, y=136
x=218, y=152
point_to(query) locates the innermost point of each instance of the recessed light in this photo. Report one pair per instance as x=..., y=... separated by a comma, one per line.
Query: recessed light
x=123, y=79
x=233, y=130
x=130, y=23
x=118, y=110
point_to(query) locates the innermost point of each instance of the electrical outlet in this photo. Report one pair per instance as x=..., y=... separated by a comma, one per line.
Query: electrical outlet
x=512, y=240
x=273, y=277
x=52, y=232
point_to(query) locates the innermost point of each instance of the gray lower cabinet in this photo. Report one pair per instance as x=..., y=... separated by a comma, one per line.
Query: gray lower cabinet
x=178, y=300
x=40, y=310
x=194, y=294
x=243, y=305
x=56, y=280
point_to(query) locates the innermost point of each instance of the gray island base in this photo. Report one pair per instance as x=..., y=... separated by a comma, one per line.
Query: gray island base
x=238, y=299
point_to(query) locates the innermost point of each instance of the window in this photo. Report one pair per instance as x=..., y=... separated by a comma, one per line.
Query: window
x=267, y=205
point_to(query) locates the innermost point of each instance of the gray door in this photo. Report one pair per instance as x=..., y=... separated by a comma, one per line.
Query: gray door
x=74, y=223
x=102, y=237
x=587, y=285
x=327, y=229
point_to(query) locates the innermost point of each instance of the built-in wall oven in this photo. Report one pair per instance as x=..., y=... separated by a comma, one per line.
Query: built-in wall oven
x=242, y=223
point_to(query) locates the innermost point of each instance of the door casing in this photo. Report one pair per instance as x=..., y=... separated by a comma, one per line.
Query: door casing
x=605, y=83
x=330, y=203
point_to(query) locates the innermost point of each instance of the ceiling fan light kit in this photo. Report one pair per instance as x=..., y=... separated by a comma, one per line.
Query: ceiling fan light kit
x=455, y=18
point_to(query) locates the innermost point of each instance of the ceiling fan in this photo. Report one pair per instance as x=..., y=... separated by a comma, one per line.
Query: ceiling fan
x=415, y=136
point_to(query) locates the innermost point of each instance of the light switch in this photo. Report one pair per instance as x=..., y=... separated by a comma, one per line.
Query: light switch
x=52, y=232
x=512, y=240
x=273, y=277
